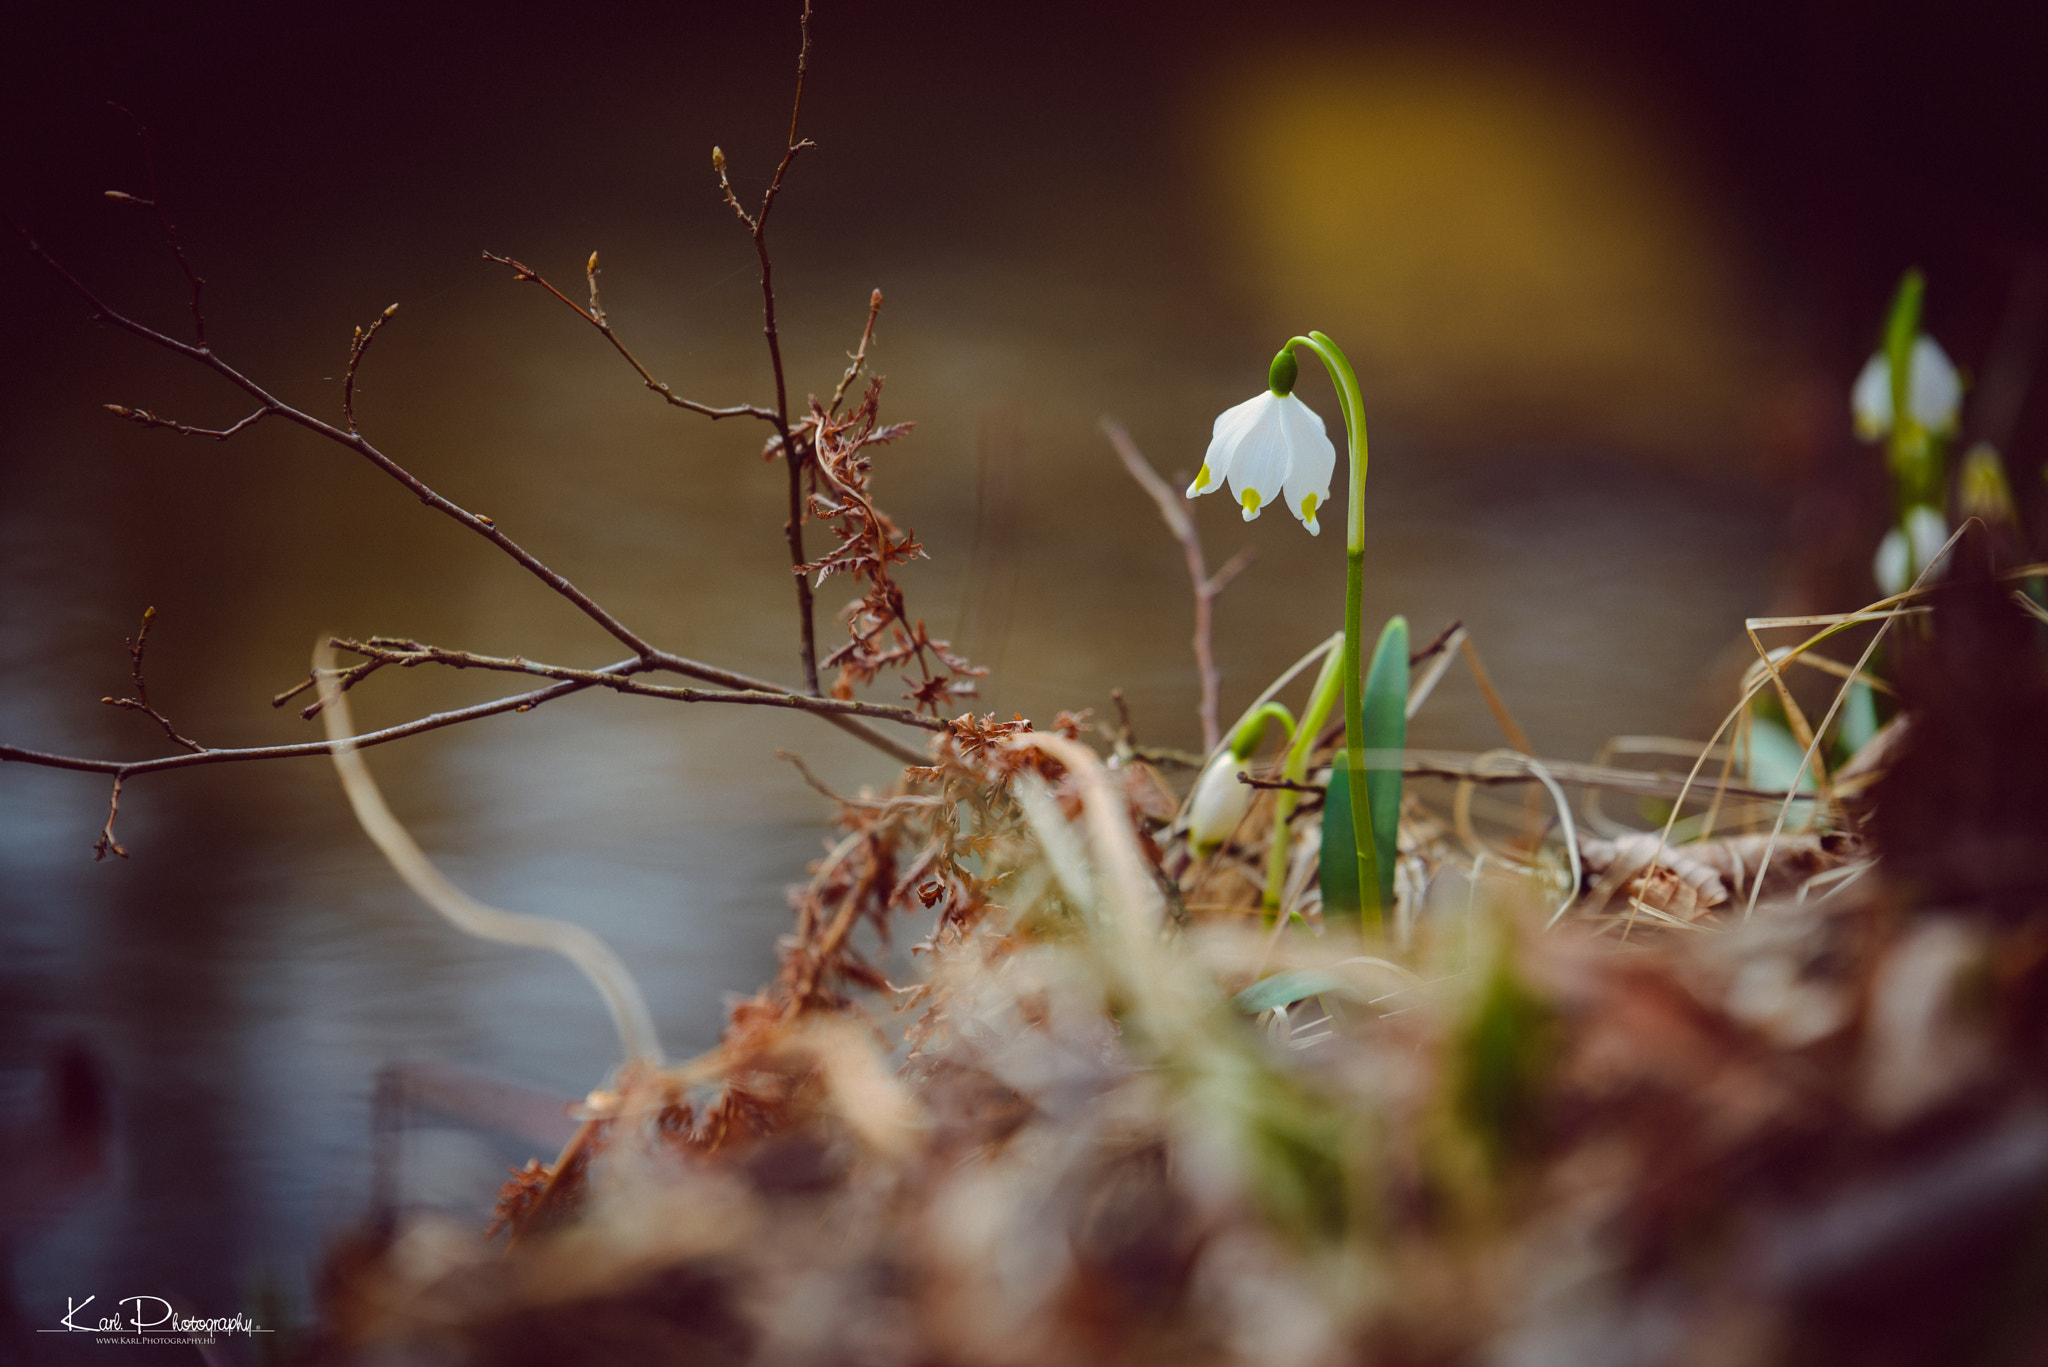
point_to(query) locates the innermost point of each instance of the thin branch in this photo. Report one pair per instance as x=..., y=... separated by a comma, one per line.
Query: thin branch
x=520, y=702
x=1436, y=646
x=844, y=716
x=155, y=202
x=354, y=441
x=1173, y=511
x=146, y=418
x=106, y=844
x=860, y=354
x=792, y=456
x=356, y=349
x=595, y=316
x=867, y=803
x=349, y=678
x=411, y=653
x=1287, y=785
x=1500, y=767
x=1233, y=567
x=140, y=702
x=663, y=660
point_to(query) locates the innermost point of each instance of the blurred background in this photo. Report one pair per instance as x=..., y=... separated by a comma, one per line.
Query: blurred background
x=1606, y=270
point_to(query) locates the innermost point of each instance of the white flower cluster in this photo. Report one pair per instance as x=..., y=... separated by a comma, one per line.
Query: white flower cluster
x=1934, y=397
x=1934, y=390
x=1907, y=550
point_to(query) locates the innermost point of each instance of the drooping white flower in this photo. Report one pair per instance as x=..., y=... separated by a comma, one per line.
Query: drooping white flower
x=1270, y=446
x=1908, y=549
x=1926, y=531
x=1935, y=391
x=1892, y=568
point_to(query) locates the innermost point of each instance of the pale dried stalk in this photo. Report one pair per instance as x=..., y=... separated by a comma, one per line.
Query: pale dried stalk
x=574, y=943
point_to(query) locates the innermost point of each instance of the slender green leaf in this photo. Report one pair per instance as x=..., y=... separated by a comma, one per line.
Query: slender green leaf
x=1338, y=863
x=1386, y=731
x=1284, y=989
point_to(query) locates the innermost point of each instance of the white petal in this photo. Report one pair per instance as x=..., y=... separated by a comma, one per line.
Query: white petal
x=1937, y=388
x=1258, y=468
x=1871, y=398
x=1926, y=530
x=1313, y=461
x=1889, y=568
x=1224, y=438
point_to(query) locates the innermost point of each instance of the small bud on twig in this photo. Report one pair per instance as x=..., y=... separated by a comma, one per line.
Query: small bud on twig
x=717, y=159
x=120, y=197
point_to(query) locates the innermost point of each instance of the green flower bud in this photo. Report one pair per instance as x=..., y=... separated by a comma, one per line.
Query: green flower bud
x=1285, y=368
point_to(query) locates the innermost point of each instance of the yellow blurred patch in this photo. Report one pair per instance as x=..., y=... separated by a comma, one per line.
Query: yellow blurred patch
x=1490, y=242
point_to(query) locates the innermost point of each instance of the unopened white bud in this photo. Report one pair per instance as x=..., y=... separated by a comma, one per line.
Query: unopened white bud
x=1220, y=802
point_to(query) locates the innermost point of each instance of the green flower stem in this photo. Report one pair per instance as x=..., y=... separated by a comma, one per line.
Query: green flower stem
x=1906, y=445
x=1251, y=732
x=1320, y=700
x=1348, y=397
x=1917, y=456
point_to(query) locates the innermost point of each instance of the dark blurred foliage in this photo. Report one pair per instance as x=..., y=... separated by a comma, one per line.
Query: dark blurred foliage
x=1963, y=815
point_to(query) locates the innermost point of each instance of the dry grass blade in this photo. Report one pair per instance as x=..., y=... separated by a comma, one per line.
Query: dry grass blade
x=574, y=943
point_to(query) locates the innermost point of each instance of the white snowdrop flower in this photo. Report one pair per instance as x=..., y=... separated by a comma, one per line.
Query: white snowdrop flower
x=1220, y=802
x=1935, y=392
x=1908, y=549
x=1926, y=530
x=1270, y=446
x=1894, y=560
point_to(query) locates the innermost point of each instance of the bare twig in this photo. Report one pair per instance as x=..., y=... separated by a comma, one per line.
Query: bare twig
x=409, y=654
x=353, y=441
x=1126, y=734
x=361, y=344
x=1286, y=785
x=843, y=715
x=789, y=441
x=348, y=679
x=595, y=316
x=155, y=203
x=1173, y=511
x=868, y=803
x=792, y=457
x=1497, y=767
x=140, y=702
x=146, y=418
x=106, y=844
x=794, y=443
x=1441, y=643
x=520, y=702
x=859, y=359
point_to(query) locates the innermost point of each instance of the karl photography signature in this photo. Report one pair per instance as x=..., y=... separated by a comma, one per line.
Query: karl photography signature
x=147, y=1319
